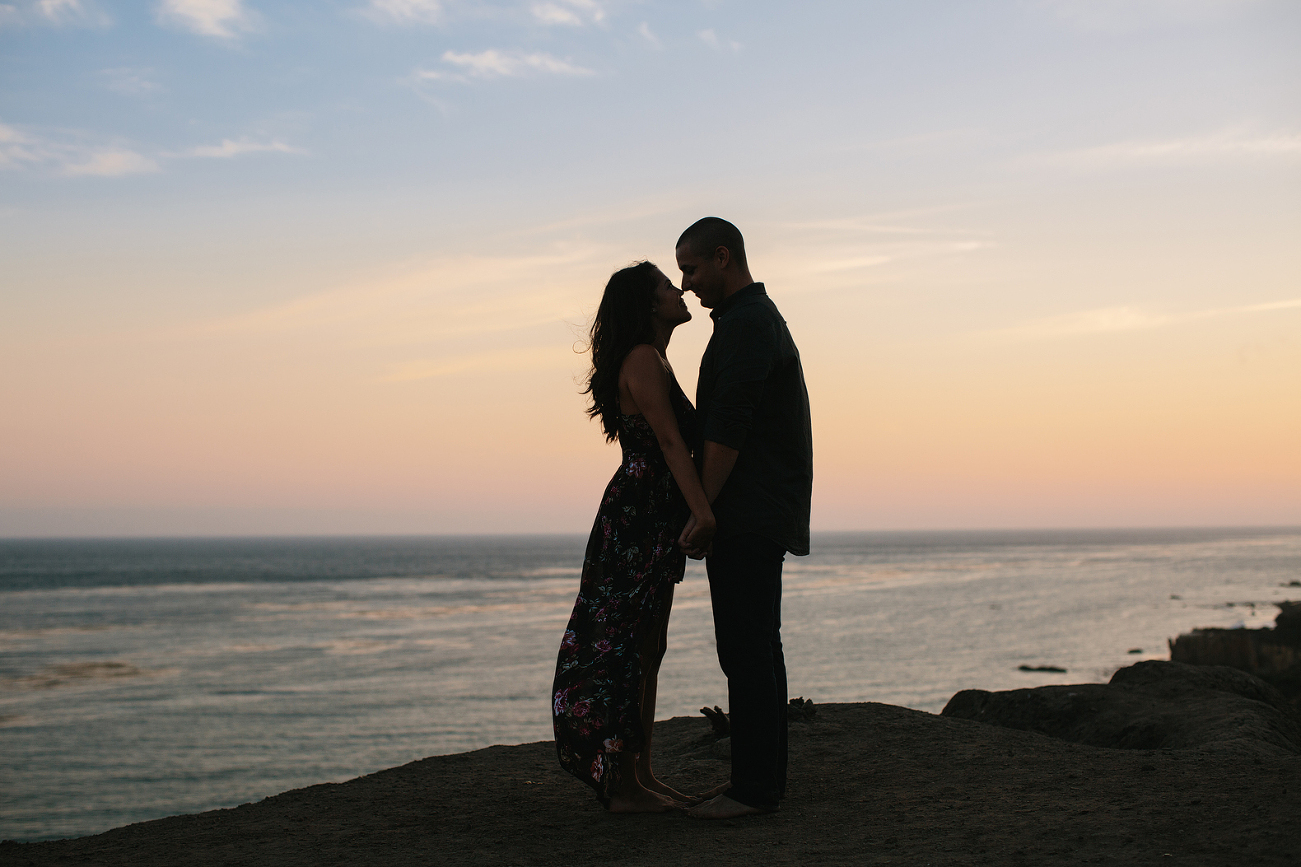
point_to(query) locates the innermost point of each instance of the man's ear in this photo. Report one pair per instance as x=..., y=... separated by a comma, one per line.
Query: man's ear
x=722, y=256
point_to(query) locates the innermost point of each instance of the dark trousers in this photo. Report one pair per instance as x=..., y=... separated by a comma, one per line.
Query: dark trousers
x=745, y=587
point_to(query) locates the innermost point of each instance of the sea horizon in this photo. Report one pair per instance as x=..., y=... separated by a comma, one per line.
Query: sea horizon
x=179, y=674
x=1046, y=528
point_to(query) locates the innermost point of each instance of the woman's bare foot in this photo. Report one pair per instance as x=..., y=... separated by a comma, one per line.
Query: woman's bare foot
x=723, y=807
x=659, y=788
x=636, y=799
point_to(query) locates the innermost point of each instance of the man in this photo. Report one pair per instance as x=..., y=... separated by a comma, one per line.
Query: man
x=757, y=470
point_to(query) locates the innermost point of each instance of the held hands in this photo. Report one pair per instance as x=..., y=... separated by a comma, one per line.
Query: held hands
x=698, y=535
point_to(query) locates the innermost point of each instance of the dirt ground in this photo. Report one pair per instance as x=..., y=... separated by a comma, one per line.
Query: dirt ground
x=869, y=784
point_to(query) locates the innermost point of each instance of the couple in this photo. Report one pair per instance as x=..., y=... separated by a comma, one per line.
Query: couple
x=729, y=480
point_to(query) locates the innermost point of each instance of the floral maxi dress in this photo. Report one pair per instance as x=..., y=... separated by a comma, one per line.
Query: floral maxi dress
x=631, y=563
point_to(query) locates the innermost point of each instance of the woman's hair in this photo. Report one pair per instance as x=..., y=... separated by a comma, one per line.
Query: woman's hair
x=622, y=321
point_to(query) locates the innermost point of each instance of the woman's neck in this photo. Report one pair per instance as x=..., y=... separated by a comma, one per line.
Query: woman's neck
x=663, y=333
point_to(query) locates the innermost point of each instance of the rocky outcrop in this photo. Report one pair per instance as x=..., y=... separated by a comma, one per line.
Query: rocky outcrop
x=1150, y=705
x=1273, y=655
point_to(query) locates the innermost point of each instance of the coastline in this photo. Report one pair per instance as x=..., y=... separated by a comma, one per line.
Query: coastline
x=869, y=784
x=994, y=606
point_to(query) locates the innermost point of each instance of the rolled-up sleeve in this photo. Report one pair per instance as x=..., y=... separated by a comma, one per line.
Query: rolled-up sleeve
x=746, y=352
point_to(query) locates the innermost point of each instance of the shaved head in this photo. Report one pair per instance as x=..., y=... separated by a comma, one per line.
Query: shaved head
x=705, y=236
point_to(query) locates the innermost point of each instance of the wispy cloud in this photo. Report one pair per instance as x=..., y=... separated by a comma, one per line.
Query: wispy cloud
x=231, y=148
x=649, y=35
x=896, y=223
x=826, y=266
x=54, y=13
x=855, y=260
x=405, y=11
x=223, y=19
x=68, y=155
x=449, y=315
x=449, y=298
x=129, y=81
x=1197, y=149
x=77, y=155
x=112, y=164
x=573, y=13
x=1111, y=320
x=498, y=64
x=65, y=11
x=17, y=148
x=852, y=252
x=712, y=39
x=1125, y=15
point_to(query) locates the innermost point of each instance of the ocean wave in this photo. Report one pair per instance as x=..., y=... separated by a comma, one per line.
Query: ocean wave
x=117, y=590
x=353, y=647
x=13, y=635
x=72, y=673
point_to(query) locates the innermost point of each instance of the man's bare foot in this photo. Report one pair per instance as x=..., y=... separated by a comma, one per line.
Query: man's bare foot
x=640, y=800
x=723, y=807
x=720, y=789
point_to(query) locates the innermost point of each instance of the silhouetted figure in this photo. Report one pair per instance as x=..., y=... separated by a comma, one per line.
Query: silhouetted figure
x=603, y=697
x=757, y=471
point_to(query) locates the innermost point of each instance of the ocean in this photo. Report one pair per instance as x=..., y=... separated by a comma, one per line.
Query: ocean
x=147, y=678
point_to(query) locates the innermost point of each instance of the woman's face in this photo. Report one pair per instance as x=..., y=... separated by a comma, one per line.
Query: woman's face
x=669, y=305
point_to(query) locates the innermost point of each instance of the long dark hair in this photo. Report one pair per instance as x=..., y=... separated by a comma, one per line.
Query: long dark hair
x=622, y=321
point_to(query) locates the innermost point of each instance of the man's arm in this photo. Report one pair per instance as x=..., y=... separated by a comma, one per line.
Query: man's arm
x=716, y=467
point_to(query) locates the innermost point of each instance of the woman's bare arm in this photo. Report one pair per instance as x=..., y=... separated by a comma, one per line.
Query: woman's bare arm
x=647, y=382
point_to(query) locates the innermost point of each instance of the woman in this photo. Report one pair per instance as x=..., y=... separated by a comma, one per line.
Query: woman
x=604, y=692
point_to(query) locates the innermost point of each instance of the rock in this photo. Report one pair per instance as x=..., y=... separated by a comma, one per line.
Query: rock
x=1288, y=622
x=718, y=719
x=800, y=710
x=1149, y=705
x=1273, y=655
x=1052, y=668
x=869, y=784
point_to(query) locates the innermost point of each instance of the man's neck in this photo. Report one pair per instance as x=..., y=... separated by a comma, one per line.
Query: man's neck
x=736, y=282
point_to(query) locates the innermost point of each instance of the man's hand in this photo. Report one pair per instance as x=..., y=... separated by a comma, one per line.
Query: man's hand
x=697, y=536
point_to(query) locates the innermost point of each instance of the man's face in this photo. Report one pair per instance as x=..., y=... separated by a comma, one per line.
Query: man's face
x=702, y=275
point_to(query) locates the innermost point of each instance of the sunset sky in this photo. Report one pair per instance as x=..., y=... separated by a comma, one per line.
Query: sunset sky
x=322, y=267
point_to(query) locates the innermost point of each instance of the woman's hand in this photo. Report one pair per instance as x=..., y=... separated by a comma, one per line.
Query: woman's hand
x=698, y=535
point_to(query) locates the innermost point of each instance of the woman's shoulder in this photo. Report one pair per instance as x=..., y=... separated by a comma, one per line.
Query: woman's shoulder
x=643, y=358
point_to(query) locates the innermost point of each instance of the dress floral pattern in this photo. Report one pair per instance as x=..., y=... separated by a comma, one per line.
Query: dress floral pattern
x=632, y=560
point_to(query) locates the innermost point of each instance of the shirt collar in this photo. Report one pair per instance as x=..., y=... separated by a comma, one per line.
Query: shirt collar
x=752, y=291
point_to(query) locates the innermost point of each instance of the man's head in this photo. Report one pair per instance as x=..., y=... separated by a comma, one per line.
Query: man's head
x=711, y=255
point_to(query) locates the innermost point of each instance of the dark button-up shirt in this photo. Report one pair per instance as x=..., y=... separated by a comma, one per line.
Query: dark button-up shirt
x=751, y=397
